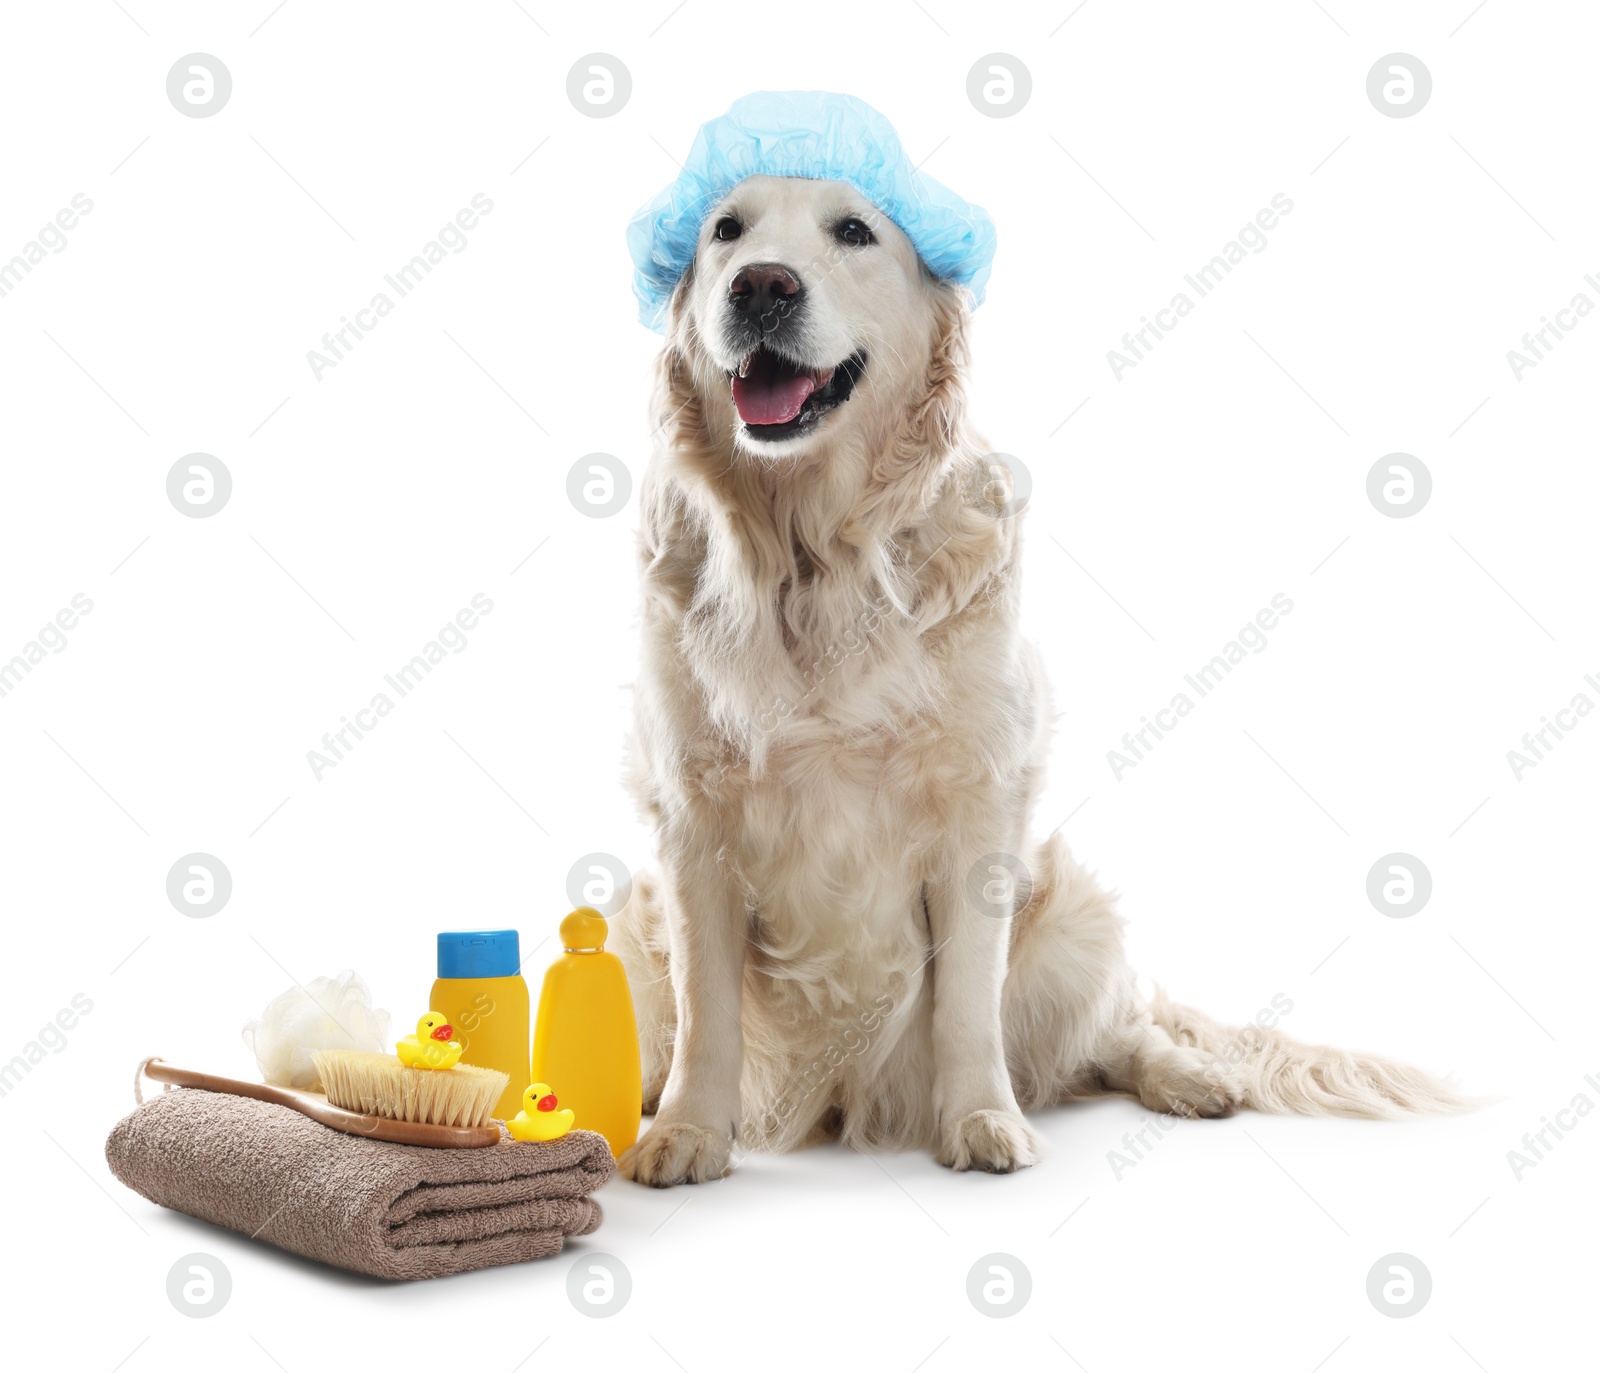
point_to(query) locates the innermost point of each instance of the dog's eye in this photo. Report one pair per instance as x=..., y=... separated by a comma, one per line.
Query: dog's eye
x=853, y=232
x=727, y=230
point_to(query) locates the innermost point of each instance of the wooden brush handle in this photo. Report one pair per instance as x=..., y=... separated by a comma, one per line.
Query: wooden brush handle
x=334, y=1117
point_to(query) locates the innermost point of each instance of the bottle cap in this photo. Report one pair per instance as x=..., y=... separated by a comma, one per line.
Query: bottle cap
x=583, y=931
x=479, y=953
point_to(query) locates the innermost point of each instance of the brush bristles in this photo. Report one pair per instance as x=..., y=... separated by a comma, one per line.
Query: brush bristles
x=380, y=1085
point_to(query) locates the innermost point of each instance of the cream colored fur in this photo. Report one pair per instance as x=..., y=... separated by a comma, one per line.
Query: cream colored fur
x=836, y=718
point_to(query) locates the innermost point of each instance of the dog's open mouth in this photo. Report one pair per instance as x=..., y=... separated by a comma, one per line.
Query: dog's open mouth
x=776, y=398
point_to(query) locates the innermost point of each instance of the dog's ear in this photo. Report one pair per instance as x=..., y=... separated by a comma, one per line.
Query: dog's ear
x=675, y=404
x=678, y=318
x=943, y=411
x=931, y=432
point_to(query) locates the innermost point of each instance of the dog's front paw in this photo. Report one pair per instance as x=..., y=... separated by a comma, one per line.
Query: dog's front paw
x=993, y=1141
x=672, y=1154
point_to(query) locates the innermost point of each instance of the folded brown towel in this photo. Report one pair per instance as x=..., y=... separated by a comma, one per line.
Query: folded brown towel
x=392, y=1210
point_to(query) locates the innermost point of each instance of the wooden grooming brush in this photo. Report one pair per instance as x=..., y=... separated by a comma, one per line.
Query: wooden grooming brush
x=376, y=1096
x=462, y=1097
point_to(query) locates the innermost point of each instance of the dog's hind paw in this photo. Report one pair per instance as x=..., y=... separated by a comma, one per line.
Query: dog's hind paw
x=671, y=1154
x=992, y=1141
x=1179, y=1089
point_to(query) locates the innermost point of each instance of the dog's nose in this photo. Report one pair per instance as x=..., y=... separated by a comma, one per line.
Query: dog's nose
x=764, y=289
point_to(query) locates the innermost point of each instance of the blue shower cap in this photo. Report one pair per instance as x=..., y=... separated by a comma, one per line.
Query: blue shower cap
x=812, y=134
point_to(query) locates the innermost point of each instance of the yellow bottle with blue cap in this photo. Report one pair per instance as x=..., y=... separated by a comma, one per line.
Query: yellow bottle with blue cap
x=585, y=1043
x=481, y=993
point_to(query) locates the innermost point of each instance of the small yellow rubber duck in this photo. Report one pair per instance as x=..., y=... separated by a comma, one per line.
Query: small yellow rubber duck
x=539, y=1119
x=431, y=1046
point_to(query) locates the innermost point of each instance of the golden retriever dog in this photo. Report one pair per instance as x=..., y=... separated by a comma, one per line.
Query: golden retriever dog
x=839, y=738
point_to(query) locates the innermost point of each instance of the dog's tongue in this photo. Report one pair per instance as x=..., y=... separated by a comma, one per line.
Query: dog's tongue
x=772, y=392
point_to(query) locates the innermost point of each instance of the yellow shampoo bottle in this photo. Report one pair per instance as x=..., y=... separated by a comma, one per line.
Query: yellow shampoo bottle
x=585, y=1042
x=481, y=991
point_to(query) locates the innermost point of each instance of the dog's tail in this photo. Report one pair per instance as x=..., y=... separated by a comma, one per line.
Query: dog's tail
x=1265, y=1070
x=1077, y=1025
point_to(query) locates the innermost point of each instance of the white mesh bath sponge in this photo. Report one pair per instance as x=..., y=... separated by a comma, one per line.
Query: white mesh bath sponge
x=327, y=1013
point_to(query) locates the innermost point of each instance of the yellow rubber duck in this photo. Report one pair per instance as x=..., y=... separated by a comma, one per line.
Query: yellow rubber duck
x=539, y=1119
x=431, y=1046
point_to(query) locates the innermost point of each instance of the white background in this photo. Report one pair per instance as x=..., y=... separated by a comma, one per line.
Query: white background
x=369, y=506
